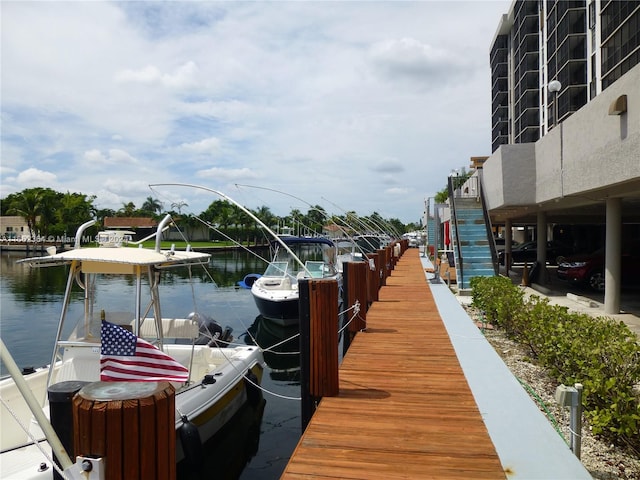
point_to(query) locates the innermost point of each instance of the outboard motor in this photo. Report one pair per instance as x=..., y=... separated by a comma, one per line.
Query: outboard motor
x=211, y=333
x=208, y=328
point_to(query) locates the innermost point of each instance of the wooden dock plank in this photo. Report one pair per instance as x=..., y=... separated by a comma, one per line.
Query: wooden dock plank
x=404, y=408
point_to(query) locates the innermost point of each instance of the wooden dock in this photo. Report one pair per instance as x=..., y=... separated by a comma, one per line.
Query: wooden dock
x=404, y=408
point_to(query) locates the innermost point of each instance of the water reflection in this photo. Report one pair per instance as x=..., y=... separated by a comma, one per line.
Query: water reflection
x=227, y=453
x=281, y=348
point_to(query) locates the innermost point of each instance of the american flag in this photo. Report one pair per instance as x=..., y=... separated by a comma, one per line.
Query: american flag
x=127, y=358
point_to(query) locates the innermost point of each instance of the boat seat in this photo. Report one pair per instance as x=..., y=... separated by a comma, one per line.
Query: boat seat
x=171, y=328
x=80, y=363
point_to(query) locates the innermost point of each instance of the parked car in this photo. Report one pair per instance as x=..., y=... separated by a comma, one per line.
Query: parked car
x=501, y=242
x=588, y=270
x=527, y=252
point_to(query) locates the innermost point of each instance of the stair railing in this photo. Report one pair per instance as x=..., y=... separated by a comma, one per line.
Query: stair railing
x=452, y=187
x=489, y=228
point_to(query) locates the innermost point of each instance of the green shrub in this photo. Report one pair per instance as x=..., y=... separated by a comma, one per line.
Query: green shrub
x=600, y=353
x=498, y=298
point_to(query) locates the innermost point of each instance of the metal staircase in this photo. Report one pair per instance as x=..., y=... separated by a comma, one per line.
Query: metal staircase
x=474, y=247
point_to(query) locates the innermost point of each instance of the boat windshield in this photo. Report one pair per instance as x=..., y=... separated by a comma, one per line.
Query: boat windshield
x=316, y=269
x=276, y=269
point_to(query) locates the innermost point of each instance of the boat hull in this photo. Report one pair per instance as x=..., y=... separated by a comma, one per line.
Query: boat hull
x=282, y=312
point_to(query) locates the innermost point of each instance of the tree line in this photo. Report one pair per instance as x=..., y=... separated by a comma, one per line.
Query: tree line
x=50, y=213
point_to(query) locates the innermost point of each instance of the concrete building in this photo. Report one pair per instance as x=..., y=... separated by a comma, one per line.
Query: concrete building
x=583, y=167
x=14, y=228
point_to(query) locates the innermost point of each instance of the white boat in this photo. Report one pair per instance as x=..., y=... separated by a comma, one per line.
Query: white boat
x=276, y=291
x=219, y=380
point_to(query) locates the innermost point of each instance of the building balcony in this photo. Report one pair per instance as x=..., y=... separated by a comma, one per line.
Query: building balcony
x=573, y=72
x=528, y=61
x=529, y=134
x=499, y=70
x=574, y=47
x=527, y=43
x=526, y=7
x=500, y=128
x=573, y=21
x=497, y=141
x=499, y=58
x=499, y=80
x=499, y=113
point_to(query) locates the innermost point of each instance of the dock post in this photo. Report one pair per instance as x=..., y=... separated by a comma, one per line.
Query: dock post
x=355, y=283
x=131, y=424
x=383, y=266
x=61, y=415
x=318, y=300
x=373, y=278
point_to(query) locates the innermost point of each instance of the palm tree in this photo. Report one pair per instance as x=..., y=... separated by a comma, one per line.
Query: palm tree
x=28, y=204
x=179, y=205
x=152, y=205
x=127, y=210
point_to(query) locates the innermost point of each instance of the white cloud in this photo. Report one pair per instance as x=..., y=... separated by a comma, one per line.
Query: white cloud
x=339, y=100
x=181, y=77
x=207, y=146
x=227, y=174
x=113, y=157
x=397, y=191
x=410, y=59
x=34, y=177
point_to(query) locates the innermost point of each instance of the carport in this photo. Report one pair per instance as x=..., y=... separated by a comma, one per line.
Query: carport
x=586, y=170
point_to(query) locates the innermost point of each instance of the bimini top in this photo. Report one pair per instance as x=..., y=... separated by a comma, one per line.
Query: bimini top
x=122, y=255
x=291, y=240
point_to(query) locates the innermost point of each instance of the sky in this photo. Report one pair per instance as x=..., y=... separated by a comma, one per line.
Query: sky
x=353, y=106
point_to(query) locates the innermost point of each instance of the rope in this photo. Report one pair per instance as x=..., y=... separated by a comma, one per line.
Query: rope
x=356, y=310
x=35, y=442
x=285, y=397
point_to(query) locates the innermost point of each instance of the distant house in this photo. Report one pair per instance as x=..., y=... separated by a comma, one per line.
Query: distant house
x=14, y=227
x=332, y=231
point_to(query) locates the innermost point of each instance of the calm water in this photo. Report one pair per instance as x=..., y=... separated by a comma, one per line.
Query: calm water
x=30, y=303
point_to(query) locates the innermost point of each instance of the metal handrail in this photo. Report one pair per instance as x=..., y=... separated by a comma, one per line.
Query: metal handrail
x=454, y=217
x=489, y=228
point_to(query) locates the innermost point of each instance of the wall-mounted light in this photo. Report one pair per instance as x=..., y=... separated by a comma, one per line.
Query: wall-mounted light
x=618, y=106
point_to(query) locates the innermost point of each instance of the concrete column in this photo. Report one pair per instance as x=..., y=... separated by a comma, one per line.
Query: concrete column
x=541, y=247
x=508, y=238
x=612, y=256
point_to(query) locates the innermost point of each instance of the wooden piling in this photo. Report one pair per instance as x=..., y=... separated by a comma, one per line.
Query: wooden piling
x=318, y=307
x=373, y=278
x=355, y=290
x=131, y=425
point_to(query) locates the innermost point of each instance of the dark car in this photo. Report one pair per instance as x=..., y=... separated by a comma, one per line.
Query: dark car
x=501, y=242
x=527, y=252
x=588, y=270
